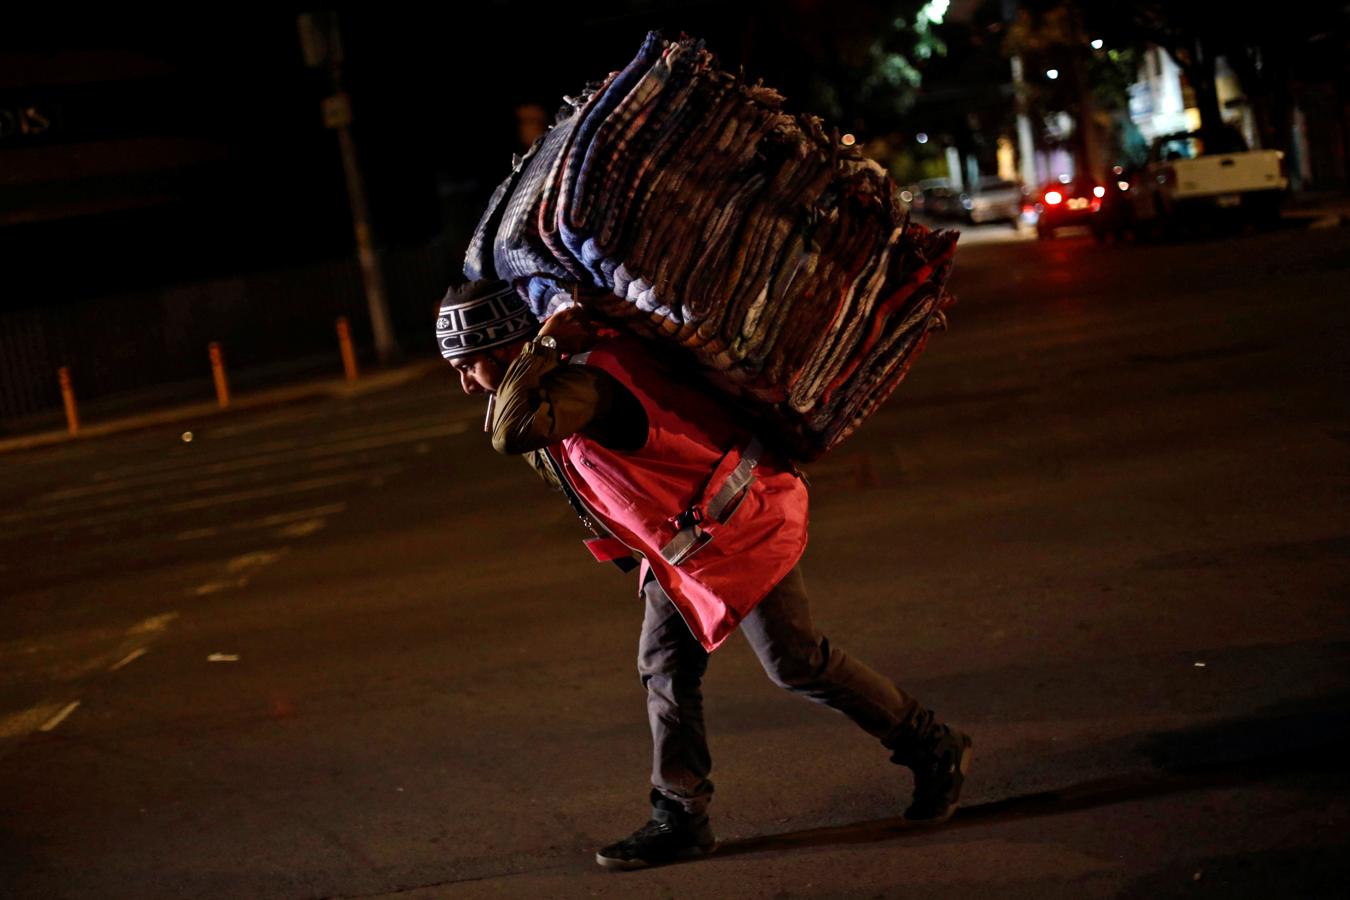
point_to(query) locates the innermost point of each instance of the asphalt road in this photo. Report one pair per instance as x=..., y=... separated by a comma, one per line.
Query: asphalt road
x=341, y=649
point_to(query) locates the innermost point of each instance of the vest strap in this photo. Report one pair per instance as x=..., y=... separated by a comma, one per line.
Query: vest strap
x=732, y=491
x=684, y=544
x=691, y=537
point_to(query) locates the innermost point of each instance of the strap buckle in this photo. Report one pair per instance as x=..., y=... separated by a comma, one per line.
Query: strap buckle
x=690, y=518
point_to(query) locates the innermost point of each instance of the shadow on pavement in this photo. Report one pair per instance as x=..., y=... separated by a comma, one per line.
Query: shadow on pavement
x=1286, y=740
x=1306, y=873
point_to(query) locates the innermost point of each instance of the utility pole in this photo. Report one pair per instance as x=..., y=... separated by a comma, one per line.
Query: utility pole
x=321, y=42
x=1026, y=145
x=1090, y=163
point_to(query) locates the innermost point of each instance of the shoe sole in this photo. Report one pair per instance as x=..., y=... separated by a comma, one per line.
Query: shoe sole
x=629, y=865
x=967, y=754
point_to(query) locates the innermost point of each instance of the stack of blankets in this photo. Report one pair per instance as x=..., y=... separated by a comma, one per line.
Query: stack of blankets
x=696, y=213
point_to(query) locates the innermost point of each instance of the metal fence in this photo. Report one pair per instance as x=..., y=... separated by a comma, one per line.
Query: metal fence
x=154, y=343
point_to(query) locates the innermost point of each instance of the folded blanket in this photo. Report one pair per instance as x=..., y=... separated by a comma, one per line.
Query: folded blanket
x=778, y=264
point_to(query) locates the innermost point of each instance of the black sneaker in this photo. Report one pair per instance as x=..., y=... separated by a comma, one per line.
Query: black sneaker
x=938, y=777
x=670, y=835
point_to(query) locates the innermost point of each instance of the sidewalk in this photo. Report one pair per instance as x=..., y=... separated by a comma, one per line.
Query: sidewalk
x=1325, y=209
x=310, y=390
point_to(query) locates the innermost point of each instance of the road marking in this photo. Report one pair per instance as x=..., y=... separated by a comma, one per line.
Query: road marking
x=215, y=587
x=143, y=513
x=60, y=717
x=288, y=417
x=160, y=475
x=153, y=624
x=302, y=529
x=256, y=559
x=17, y=725
x=196, y=534
x=128, y=659
x=312, y=484
x=196, y=460
x=314, y=512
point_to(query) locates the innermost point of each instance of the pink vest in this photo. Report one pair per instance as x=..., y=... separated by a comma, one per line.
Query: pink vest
x=717, y=524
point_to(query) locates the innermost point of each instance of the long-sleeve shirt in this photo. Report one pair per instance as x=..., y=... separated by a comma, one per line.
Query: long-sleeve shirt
x=540, y=401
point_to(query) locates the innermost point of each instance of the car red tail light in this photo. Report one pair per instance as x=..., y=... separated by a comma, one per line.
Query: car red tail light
x=1054, y=197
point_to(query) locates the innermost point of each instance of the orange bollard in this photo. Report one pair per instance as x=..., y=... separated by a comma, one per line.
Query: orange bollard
x=218, y=372
x=68, y=395
x=345, y=342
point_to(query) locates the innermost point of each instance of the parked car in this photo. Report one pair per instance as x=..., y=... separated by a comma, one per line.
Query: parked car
x=1062, y=204
x=942, y=201
x=993, y=200
x=1201, y=175
x=919, y=193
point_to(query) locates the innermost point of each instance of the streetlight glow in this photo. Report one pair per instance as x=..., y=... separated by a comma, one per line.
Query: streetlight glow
x=1052, y=74
x=921, y=138
x=1098, y=44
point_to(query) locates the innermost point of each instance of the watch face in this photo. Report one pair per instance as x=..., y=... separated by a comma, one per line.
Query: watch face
x=549, y=341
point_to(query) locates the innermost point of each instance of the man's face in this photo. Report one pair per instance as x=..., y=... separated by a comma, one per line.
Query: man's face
x=479, y=373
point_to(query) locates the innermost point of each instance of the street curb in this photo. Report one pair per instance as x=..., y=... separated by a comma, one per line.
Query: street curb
x=315, y=390
x=1331, y=221
x=1318, y=218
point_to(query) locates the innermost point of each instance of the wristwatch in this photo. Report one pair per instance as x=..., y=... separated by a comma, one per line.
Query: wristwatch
x=547, y=341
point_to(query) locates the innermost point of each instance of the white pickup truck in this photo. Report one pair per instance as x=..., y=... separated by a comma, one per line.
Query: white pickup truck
x=1196, y=175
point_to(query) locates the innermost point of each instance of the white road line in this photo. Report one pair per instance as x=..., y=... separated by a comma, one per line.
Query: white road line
x=417, y=419
x=60, y=717
x=18, y=725
x=227, y=456
x=312, y=484
x=299, y=515
x=128, y=659
x=256, y=559
x=253, y=461
x=281, y=419
x=205, y=503
x=153, y=624
x=196, y=459
x=301, y=529
x=196, y=534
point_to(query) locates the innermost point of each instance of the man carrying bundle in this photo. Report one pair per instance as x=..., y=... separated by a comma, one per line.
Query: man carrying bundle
x=660, y=469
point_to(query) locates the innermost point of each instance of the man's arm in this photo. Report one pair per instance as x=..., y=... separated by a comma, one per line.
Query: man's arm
x=540, y=401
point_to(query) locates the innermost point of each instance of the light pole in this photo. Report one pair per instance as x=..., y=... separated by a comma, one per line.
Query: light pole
x=321, y=42
x=1091, y=163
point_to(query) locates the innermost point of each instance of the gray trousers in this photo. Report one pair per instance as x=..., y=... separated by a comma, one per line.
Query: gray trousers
x=795, y=656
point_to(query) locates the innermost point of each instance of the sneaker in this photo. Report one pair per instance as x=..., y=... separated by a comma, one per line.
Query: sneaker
x=938, y=777
x=670, y=835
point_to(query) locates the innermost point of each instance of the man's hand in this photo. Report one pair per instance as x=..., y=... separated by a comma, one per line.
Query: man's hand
x=572, y=329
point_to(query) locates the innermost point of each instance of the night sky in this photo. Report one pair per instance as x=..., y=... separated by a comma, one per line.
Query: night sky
x=184, y=146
